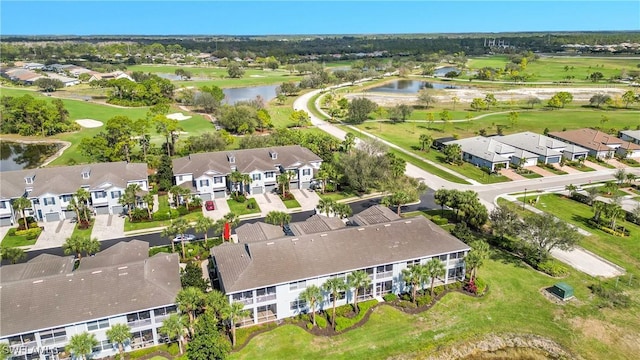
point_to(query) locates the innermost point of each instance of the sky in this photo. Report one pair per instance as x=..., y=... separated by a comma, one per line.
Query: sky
x=54, y=17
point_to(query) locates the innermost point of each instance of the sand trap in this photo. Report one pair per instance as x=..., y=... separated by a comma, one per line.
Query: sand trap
x=178, y=116
x=89, y=123
x=256, y=76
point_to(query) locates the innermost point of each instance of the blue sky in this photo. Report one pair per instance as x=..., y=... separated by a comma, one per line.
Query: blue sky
x=89, y=17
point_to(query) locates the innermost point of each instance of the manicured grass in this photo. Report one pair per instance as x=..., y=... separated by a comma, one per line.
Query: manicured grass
x=15, y=241
x=291, y=204
x=83, y=232
x=241, y=208
x=341, y=195
x=553, y=170
x=531, y=175
x=129, y=226
x=552, y=68
x=582, y=168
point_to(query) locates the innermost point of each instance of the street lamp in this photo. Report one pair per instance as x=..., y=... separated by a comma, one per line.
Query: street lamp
x=524, y=200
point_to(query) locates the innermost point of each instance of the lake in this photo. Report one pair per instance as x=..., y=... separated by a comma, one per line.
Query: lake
x=18, y=156
x=233, y=95
x=410, y=86
x=443, y=70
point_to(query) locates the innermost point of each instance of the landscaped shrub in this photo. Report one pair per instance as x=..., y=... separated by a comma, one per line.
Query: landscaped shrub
x=239, y=198
x=454, y=285
x=607, y=229
x=471, y=287
x=321, y=321
x=163, y=215
x=406, y=304
x=139, y=214
x=182, y=210
x=288, y=196
x=343, y=310
x=390, y=297
x=33, y=225
x=343, y=323
x=30, y=234
x=462, y=232
x=12, y=232
x=423, y=300
x=580, y=198
x=438, y=290
x=251, y=204
x=553, y=268
x=439, y=221
x=309, y=326
x=30, y=220
x=481, y=285
x=405, y=297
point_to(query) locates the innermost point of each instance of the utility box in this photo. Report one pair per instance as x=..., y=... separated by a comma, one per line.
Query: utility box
x=562, y=290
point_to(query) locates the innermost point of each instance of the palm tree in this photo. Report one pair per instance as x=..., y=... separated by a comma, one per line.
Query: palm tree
x=179, y=227
x=20, y=205
x=244, y=180
x=232, y=219
x=480, y=251
x=277, y=218
x=631, y=178
x=348, y=142
x=173, y=327
x=81, y=345
x=425, y=141
x=148, y=199
x=204, y=224
x=571, y=189
x=169, y=233
x=311, y=295
x=435, y=268
x=75, y=206
x=414, y=276
x=621, y=176
x=130, y=197
x=592, y=193
x=342, y=210
x=13, y=254
x=217, y=302
x=334, y=286
x=397, y=199
x=326, y=205
x=83, y=196
x=78, y=244
x=235, y=312
x=333, y=175
x=284, y=180
x=189, y=301
x=356, y=280
x=236, y=178
x=119, y=334
x=323, y=176
x=598, y=208
x=611, y=187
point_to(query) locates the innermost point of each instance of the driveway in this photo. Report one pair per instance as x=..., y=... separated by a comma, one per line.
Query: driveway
x=54, y=234
x=588, y=262
x=269, y=202
x=540, y=171
x=567, y=169
x=108, y=227
x=594, y=165
x=511, y=174
x=221, y=209
x=307, y=198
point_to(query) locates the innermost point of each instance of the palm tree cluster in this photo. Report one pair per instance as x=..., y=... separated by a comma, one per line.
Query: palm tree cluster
x=79, y=244
x=328, y=207
x=417, y=275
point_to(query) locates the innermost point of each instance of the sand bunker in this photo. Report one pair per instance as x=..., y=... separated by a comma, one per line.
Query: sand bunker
x=178, y=116
x=89, y=123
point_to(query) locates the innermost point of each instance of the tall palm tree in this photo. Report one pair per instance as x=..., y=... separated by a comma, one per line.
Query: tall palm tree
x=323, y=176
x=119, y=334
x=598, y=208
x=81, y=345
x=83, y=196
x=284, y=181
x=277, y=218
x=173, y=327
x=204, y=224
x=78, y=244
x=311, y=295
x=342, y=210
x=592, y=193
x=480, y=251
x=232, y=219
x=236, y=178
x=189, y=301
x=169, y=232
x=326, y=206
x=356, y=280
x=13, y=254
x=74, y=205
x=414, y=276
x=334, y=286
x=148, y=199
x=179, y=227
x=20, y=205
x=217, y=302
x=245, y=179
x=235, y=312
x=435, y=268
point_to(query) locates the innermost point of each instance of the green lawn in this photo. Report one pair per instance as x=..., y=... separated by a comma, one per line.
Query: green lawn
x=341, y=195
x=129, y=226
x=241, y=208
x=552, y=68
x=291, y=204
x=15, y=241
x=83, y=232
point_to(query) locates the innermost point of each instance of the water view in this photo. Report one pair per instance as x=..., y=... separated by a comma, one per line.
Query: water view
x=443, y=70
x=233, y=95
x=18, y=156
x=410, y=86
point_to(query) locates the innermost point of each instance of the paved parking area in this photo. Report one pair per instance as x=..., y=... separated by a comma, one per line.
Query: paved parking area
x=55, y=233
x=221, y=209
x=540, y=171
x=307, y=198
x=594, y=165
x=269, y=202
x=511, y=174
x=588, y=262
x=567, y=169
x=108, y=227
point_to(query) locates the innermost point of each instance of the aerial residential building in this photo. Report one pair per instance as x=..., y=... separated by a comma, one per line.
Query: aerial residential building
x=630, y=136
x=548, y=150
x=599, y=144
x=485, y=152
x=50, y=189
x=45, y=302
x=207, y=174
x=269, y=275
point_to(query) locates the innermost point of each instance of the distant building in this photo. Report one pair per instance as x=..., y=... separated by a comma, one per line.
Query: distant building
x=599, y=144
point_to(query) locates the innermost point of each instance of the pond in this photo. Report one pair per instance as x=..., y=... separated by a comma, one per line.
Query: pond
x=233, y=95
x=411, y=86
x=443, y=70
x=18, y=156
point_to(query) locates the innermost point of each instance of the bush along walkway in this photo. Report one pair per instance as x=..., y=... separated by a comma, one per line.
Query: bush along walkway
x=347, y=319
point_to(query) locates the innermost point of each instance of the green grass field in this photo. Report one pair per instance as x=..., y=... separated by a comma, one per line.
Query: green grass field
x=242, y=208
x=16, y=240
x=552, y=68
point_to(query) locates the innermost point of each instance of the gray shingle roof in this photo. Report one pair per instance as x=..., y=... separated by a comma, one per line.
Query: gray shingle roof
x=68, y=179
x=248, y=233
x=632, y=133
x=535, y=143
x=39, y=267
x=485, y=148
x=247, y=160
x=315, y=224
x=249, y=266
x=376, y=214
x=39, y=303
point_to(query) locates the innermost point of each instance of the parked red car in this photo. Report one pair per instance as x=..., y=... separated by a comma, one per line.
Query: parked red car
x=210, y=205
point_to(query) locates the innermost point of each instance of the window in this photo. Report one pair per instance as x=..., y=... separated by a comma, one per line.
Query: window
x=49, y=201
x=217, y=180
x=3, y=204
x=53, y=336
x=245, y=297
x=22, y=339
x=306, y=172
x=98, y=324
x=269, y=174
x=204, y=182
x=299, y=285
x=100, y=194
x=66, y=198
x=29, y=180
x=116, y=194
x=342, y=276
x=458, y=255
x=180, y=177
x=341, y=296
x=442, y=257
x=103, y=345
x=413, y=262
x=384, y=271
x=165, y=311
x=266, y=294
x=297, y=305
x=369, y=272
x=256, y=177
x=139, y=319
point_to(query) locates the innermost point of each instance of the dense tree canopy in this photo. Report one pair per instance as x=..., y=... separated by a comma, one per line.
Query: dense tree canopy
x=29, y=116
x=149, y=90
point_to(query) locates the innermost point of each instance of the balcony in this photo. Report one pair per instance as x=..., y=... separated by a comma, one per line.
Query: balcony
x=53, y=340
x=139, y=323
x=263, y=298
x=384, y=275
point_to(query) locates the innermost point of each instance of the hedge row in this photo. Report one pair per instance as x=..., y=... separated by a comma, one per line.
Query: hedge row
x=343, y=323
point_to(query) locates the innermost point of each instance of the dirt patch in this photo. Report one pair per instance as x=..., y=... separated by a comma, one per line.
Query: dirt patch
x=607, y=333
x=89, y=123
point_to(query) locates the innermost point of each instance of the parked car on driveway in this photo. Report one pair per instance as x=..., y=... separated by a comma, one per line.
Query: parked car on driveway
x=210, y=205
x=184, y=237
